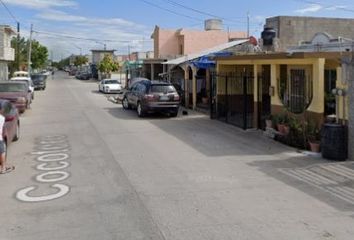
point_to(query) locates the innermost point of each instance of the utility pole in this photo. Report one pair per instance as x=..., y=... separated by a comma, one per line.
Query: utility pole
x=18, y=46
x=351, y=107
x=29, y=51
x=248, y=24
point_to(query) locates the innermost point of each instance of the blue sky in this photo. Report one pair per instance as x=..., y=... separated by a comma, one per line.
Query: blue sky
x=131, y=22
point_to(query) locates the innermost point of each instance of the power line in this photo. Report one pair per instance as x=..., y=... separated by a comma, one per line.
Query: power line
x=8, y=10
x=170, y=11
x=197, y=11
x=87, y=39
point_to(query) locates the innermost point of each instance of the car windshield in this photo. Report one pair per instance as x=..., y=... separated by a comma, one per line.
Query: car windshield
x=163, y=88
x=13, y=87
x=37, y=77
x=111, y=82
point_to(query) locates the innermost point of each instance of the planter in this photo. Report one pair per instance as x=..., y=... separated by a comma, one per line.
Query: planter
x=269, y=123
x=286, y=130
x=315, y=146
x=281, y=128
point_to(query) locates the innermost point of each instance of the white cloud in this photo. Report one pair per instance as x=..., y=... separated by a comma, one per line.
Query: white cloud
x=316, y=7
x=42, y=4
x=310, y=9
x=121, y=31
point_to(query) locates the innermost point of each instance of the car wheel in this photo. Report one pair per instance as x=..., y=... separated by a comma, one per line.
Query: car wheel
x=125, y=103
x=17, y=135
x=174, y=114
x=139, y=110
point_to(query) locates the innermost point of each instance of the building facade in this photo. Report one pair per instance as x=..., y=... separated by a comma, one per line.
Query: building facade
x=292, y=31
x=7, y=53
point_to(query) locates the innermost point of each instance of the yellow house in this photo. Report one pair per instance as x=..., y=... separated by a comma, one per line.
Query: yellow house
x=251, y=87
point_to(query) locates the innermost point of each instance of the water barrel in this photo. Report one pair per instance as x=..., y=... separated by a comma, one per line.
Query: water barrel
x=334, y=142
x=268, y=35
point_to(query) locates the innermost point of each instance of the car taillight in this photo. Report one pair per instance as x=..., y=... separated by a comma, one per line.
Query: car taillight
x=21, y=99
x=150, y=97
x=176, y=97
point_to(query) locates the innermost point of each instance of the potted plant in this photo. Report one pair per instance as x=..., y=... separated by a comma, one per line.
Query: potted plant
x=313, y=136
x=282, y=124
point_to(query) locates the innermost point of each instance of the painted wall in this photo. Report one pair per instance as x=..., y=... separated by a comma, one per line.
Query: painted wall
x=317, y=65
x=169, y=43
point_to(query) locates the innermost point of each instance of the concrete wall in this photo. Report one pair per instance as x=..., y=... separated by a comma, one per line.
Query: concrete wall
x=351, y=113
x=292, y=30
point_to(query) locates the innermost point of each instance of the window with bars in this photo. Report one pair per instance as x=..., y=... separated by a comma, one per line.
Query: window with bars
x=295, y=88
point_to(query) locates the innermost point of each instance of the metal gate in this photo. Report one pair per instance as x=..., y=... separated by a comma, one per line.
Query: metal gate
x=234, y=101
x=264, y=99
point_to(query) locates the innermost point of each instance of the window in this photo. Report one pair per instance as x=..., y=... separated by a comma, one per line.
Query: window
x=295, y=88
x=162, y=89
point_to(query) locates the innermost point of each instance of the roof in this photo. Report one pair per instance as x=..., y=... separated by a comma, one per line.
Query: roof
x=286, y=55
x=193, y=56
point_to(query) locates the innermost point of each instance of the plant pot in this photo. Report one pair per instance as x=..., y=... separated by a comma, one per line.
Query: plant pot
x=315, y=146
x=286, y=130
x=281, y=128
x=269, y=123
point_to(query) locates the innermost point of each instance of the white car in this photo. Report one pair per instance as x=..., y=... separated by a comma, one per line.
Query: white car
x=25, y=79
x=110, y=85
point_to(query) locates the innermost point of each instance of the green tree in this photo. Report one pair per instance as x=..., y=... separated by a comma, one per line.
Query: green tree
x=107, y=65
x=39, y=55
x=80, y=60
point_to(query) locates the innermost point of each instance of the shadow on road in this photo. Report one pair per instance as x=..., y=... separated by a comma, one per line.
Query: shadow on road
x=324, y=180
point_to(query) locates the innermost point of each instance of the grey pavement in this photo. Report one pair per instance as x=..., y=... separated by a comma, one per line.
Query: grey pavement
x=162, y=178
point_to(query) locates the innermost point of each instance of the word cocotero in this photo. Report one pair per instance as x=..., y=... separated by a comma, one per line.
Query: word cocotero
x=52, y=154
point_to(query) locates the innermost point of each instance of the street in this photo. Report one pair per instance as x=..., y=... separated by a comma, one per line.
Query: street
x=87, y=169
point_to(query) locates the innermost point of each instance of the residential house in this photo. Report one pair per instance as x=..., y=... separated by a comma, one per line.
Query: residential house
x=7, y=53
x=293, y=30
x=98, y=55
x=172, y=43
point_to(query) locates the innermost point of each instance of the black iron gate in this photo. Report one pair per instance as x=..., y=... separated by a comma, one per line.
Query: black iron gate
x=232, y=95
x=264, y=98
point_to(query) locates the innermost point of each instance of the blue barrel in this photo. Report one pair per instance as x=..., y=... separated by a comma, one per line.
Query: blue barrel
x=334, y=142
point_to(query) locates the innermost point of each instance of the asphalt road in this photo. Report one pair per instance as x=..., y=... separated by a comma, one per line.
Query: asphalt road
x=86, y=169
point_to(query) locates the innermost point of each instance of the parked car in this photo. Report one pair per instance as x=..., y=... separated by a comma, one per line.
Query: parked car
x=110, y=86
x=134, y=80
x=17, y=93
x=11, y=129
x=21, y=74
x=39, y=81
x=152, y=96
x=27, y=80
x=72, y=72
x=83, y=75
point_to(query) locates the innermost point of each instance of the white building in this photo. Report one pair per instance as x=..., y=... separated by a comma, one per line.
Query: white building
x=7, y=54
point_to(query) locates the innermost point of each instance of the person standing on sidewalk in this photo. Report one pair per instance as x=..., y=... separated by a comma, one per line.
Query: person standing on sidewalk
x=4, y=168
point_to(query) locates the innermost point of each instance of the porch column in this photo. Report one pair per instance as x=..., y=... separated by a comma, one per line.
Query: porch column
x=152, y=71
x=276, y=103
x=186, y=83
x=194, y=87
x=255, y=96
x=317, y=105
